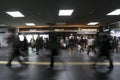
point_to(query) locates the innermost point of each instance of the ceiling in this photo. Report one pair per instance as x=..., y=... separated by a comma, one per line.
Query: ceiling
x=44, y=12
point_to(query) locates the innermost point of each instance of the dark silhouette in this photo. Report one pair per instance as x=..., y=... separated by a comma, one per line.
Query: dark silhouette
x=81, y=43
x=24, y=47
x=54, y=47
x=16, y=45
x=37, y=45
x=104, y=50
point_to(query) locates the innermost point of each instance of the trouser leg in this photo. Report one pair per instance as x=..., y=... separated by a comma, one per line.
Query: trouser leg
x=93, y=49
x=88, y=50
x=20, y=60
x=37, y=50
x=111, y=62
x=52, y=62
x=10, y=60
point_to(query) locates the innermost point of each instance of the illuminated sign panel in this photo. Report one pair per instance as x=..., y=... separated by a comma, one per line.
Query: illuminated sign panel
x=88, y=29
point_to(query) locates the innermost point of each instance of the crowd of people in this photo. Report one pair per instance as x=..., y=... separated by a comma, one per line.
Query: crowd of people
x=105, y=45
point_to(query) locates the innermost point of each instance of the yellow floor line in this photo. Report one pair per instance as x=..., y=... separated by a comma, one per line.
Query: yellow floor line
x=62, y=63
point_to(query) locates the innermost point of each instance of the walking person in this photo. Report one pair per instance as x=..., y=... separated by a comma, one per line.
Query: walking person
x=24, y=46
x=81, y=42
x=54, y=47
x=32, y=43
x=104, y=51
x=91, y=45
x=16, y=45
x=37, y=45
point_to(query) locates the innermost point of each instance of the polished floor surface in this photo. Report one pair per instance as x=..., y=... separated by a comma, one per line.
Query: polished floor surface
x=69, y=65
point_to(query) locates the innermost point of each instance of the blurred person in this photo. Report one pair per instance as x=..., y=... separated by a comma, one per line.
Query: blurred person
x=24, y=47
x=62, y=43
x=14, y=41
x=91, y=45
x=81, y=43
x=41, y=42
x=67, y=42
x=32, y=43
x=37, y=45
x=104, y=51
x=85, y=42
x=54, y=47
x=115, y=42
x=46, y=43
x=71, y=42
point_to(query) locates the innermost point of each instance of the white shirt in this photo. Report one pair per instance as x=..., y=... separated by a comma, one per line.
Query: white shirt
x=90, y=41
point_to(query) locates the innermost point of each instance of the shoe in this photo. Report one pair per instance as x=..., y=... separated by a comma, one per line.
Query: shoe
x=8, y=64
x=110, y=67
x=37, y=53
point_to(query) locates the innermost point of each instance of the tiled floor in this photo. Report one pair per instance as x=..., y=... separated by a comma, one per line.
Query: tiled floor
x=68, y=66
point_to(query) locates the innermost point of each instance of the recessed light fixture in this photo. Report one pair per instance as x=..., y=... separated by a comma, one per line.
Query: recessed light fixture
x=115, y=12
x=66, y=12
x=30, y=24
x=93, y=23
x=15, y=14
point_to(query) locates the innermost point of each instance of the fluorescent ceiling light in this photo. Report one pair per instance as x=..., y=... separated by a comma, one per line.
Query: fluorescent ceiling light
x=30, y=24
x=15, y=14
x=65, y=12
x=92, y=23
x=115, y=12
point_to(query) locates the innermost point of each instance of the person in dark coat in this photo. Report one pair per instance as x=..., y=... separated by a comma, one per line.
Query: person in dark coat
x=15, y=44
x=81, y=43
x=47, y=43
x=24, y=46
x=104, y=50
x=37, y=45
x=54, y=47
x=71, y=43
